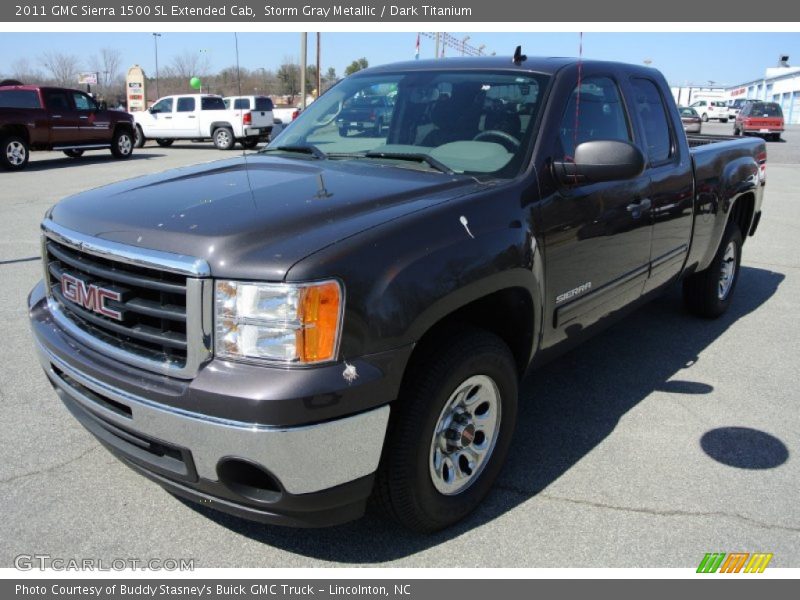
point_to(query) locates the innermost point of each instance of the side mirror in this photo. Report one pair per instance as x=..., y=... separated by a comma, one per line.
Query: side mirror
x=152, y=110
x=601, y=160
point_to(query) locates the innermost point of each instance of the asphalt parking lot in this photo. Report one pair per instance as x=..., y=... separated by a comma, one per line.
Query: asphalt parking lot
x=662, y=439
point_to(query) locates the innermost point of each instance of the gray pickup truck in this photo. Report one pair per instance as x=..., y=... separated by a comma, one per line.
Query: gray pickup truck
x=286, y=334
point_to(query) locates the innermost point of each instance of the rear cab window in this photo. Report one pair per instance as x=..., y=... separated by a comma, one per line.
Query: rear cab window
x=212, y=103
x=652, y=112
x=56, y=100
x=263, y=103
x=241, y=104
x=19, y=99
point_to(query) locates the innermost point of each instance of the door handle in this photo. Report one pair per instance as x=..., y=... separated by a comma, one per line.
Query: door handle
x=55, y=116
x=640, y=204
x=84, y=118
x=192, y=116
x=167, y=117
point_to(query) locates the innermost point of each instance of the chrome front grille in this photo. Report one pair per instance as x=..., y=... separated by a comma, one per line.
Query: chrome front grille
x=160, y=313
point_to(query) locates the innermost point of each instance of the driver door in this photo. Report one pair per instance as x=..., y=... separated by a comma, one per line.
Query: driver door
x=596, y=235
x=159, y=119
x=93, y=126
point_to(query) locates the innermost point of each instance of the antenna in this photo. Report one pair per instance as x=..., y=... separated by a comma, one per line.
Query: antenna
x=238, y=71
x=519, y=57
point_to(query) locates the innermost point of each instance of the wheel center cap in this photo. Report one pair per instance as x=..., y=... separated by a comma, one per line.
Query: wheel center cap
x=460, y=435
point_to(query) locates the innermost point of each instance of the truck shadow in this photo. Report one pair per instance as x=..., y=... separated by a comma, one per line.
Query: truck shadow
x=566, y=409
x=63, y=162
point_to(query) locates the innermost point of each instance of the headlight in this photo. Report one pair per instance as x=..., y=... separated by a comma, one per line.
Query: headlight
x=288, y=323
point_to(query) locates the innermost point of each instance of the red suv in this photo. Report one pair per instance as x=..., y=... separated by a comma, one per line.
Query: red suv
x=48, y=118
x=760, y=118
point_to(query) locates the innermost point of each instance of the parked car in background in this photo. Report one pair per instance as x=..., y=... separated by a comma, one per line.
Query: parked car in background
x=734, y=106
x=711, y=109
x=760, y=118
x=365, y=113
x=256, y=115
x=690, y=119
x=195, y=117
x=50, y=118
x=284, y=115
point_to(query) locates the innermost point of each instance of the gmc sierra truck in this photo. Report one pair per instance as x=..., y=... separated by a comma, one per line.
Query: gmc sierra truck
x=287, y=334
x=49, y=118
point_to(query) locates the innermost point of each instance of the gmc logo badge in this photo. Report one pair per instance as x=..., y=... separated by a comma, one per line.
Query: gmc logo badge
x=91, y=297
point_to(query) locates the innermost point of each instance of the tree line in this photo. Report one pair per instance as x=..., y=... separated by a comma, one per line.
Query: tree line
x=61, y=69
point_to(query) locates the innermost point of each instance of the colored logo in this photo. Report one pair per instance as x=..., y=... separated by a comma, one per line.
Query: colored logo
x=90, y=296
x=735, y=562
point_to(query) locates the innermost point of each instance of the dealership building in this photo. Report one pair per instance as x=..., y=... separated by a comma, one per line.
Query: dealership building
x=779, y=84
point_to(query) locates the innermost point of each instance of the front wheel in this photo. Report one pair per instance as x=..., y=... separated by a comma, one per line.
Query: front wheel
x=705, y=118
x=139, y=139
x=14, y=153
x=708, y=293
x=223, y=138
x=450, y=432
x=723, y=120
x=122, y=143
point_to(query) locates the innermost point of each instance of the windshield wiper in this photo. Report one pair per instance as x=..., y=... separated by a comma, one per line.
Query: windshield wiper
x=413, y=156
x=300, y=149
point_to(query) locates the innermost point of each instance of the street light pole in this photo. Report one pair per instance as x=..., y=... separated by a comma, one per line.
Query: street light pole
x=303, y=63
x=155, y=42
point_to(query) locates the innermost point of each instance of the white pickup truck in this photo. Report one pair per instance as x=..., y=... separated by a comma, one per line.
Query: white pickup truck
x=197, y=117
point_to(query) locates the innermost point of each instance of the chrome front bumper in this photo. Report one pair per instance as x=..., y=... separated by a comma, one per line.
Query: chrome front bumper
x=304, y=459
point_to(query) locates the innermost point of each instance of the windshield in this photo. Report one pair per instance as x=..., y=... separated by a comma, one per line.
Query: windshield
x=473, y=122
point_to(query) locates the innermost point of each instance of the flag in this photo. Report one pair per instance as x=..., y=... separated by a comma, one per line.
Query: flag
x=416, y=54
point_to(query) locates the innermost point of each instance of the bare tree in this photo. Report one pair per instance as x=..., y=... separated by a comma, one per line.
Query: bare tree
x=22, y=70
x=62, y=68
x=188, y=64
x=107, y=65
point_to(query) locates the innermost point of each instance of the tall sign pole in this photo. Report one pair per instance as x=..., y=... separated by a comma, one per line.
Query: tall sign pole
x=303, y=63
x=319, y=67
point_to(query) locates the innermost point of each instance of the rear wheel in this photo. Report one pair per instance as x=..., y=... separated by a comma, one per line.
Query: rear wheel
x=449, y=433
x=139, y=139
x=14, y=153
x=223, y=138
x=723, y=120
x=122, y=143
x=709, y=292
x=74, y=153
x=705, y=118
x=165, y=143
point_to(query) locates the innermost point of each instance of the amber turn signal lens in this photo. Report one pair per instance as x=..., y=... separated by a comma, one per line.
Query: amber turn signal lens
x=319, y=314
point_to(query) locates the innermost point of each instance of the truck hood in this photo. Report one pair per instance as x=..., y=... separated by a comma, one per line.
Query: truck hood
x=255, y=216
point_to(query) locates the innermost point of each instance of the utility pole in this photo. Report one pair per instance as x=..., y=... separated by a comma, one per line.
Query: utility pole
x=155, y=41
x=303, y=62
x=319, y=68
x=436, y=54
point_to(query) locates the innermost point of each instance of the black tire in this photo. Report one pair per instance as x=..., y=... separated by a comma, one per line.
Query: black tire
x=723, y=120
x=405, y=488
x=343, y=131
x=122, y=143
x=378, y=128
x=165, y=143
x=223, y=138
x=138, y=137
x=702, y=292
x=249, y=143
x=14, y=153
x=737, y=132
x=705, y=118
x=74, y=153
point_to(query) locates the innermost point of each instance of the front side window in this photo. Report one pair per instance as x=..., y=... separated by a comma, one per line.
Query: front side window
x=594, y=112
x=476, y=122
x=653, y=117
x=83, y=102
x=162, y=106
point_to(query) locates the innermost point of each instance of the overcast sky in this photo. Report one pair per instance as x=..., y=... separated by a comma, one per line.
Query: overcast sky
x=725, y=58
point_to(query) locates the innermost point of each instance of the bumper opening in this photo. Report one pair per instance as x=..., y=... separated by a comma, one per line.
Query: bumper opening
x=249, y=480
